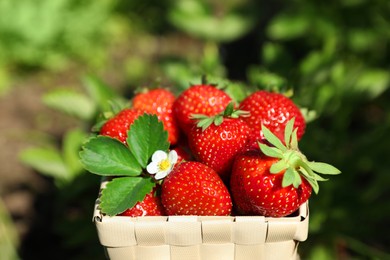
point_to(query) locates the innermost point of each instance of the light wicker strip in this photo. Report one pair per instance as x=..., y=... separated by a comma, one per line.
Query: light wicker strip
x=202, y=238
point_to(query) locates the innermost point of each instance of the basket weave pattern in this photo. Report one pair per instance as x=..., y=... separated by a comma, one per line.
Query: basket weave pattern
x=202, y=238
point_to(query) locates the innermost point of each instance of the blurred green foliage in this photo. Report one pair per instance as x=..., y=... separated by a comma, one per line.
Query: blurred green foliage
x=333, y=54
x=47, y=33
x=9, y=240
x=213, y=20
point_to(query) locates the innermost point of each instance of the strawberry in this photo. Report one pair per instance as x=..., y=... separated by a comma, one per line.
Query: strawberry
x=272, y=110
x=199, y=99
x=257, y=191
x=117, y=126
x=193, y=188
x=159, y=102
x=275, y=181
x=149, y=206
x=216, y=140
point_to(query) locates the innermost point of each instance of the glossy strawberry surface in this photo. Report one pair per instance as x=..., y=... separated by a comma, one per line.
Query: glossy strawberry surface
x=273, y=110
x=216, y=146
x=193, y=188
x=159, y=102
x=117, y=126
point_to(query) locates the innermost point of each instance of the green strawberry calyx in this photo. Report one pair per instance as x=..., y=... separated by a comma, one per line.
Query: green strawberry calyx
x=292, y=161
x=205, y=121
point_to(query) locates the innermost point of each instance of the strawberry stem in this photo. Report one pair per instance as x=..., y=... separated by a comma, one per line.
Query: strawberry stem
x=205, y=121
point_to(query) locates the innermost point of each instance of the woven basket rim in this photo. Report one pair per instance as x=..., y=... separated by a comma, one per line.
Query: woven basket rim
x=299, y=216
x=201, y=237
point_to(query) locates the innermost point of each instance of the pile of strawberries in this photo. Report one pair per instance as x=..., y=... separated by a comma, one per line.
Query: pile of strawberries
x=223, y=158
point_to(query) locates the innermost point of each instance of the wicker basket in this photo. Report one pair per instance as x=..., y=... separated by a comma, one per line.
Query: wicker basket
x=202, y=238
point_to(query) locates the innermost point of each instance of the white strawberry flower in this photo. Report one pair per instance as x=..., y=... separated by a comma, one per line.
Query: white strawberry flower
x=162, y=163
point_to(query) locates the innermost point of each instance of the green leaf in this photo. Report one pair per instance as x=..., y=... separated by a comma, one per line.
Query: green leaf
x=288, y=177
x=237, y=91
x=294, y=140
x=123, y=193
x=147, y=135
x=288, y=131
x=270, y=151
x=313, y=184
x=198, y=19
x=288, y=26
x=323, y=168
x=373, y=81
x=273, y=139
x=218, y=120
x=305, y=169
x=309, y=115
x=71, y=103
x=319, y=178
x=229, y=109
x=9, y=239
x=100, y=121
x=107, y=156
x=117, y=105
x=47, y=161
x=297, y=179
x=278, y=167
x=266, y=80
x=99, y=92
x=72, y=142
x=180, y=72
x=205, y=123
x=310, y=176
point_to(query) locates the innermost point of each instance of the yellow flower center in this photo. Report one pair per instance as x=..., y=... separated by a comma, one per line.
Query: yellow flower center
x=164, y=165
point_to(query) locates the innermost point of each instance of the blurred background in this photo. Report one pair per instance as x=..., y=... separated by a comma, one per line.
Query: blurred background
x=61, y=60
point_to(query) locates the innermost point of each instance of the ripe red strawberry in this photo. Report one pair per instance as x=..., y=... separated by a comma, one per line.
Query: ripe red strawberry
x=216, y=140
x=150, y=206
x=159, y=102
x=275, y=181
x=272, y=110
x=117, y=126
x=193, y=188
x=256, y=191
x=199, y=99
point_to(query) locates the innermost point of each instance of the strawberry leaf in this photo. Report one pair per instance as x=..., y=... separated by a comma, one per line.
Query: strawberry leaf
x=123, y=193
x=218, y=120
x=273, y=139
x=278, y=167
x=295, y=163
x=297, y=179
x=107, y=156
x=229, y=109
x=294, y=140
x=323, y=168
x=288, y=177
x=271, y=151
x=319, y=178
x=203, y=121
x=313, y=184
x=288, y=131
x=146, y=135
